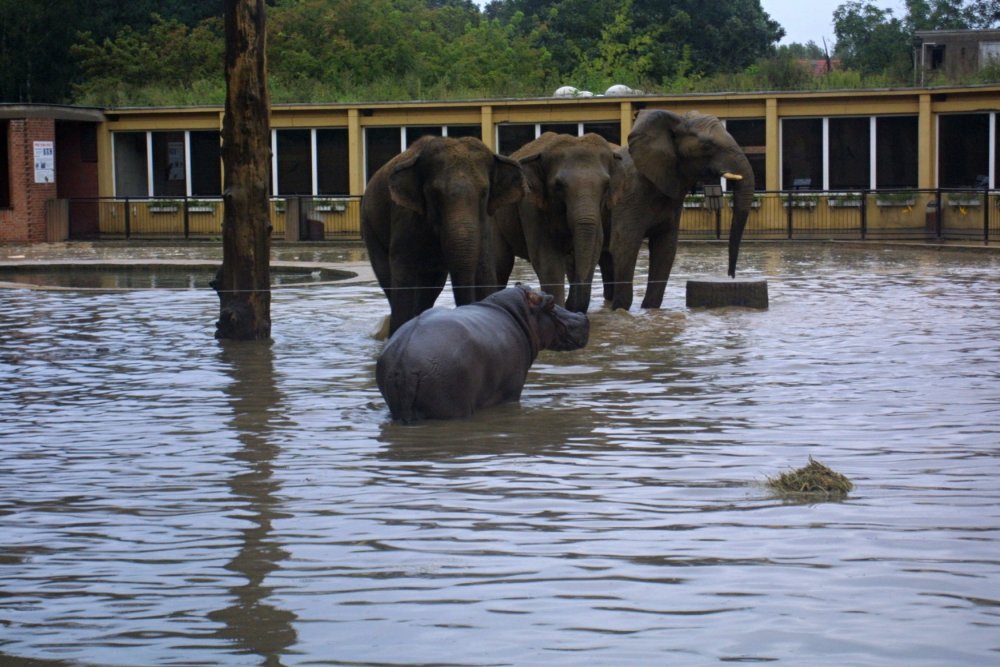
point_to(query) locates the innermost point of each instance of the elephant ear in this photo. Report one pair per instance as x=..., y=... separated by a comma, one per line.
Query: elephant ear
x=534, y=175
x=507, y=184
x=405, y=185
x=618, y=182
x=653, y=147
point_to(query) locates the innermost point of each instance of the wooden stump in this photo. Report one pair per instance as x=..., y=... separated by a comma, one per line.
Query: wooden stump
x=727, y=292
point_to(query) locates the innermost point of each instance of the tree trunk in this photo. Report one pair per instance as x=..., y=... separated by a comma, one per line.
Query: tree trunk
x=244, y=281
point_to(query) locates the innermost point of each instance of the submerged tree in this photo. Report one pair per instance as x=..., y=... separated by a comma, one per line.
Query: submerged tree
x=244, y=282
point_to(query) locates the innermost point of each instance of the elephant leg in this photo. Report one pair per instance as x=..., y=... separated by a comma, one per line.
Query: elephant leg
x=662, y=250
x=412, y=297
x=552, y=276
x=607, y=275
x=624, y=254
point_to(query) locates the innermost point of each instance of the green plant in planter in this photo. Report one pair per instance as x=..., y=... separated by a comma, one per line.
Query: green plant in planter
x=802, y=201
x=845, y=200
x=901, y=198
x=165, y=205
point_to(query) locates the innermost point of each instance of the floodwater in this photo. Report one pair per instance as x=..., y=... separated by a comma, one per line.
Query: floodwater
x=167, y=499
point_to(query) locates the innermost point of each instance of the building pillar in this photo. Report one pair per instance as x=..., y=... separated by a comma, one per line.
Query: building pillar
x=25, y=220
x=486, y=128
x=926, y=145
x=625, y=116
x=773, y=141
x=355, y=153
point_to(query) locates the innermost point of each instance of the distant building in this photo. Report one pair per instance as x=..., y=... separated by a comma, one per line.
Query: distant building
x=953, y=53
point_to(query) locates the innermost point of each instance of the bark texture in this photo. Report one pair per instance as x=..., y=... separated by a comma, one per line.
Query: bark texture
x=719, y=293
x=244, y=282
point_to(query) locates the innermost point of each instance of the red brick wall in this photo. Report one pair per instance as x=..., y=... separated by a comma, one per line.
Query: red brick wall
x=25, y=219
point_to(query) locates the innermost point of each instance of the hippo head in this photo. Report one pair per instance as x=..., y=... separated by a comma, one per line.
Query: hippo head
x=558, y=329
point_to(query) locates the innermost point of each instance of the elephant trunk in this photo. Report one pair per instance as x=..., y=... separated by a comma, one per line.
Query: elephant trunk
x=742, y=181
x=462, y=247
x=588, y=237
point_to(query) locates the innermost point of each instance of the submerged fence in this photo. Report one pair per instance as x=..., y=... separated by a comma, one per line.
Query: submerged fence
x=970, y=215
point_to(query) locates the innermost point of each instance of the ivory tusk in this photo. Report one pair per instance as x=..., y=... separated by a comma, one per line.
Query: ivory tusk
x=732, y=177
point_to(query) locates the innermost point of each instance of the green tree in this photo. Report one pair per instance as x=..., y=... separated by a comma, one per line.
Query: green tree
x=870, y=39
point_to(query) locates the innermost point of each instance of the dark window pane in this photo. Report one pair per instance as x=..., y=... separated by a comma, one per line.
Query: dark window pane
x=131, y=175
x=850, y=153
x=963, y=149
x=381, y=145
x=206, y=164
x=465, y=131
x=512, y=137
x=88, y=142
x=333, y=164
x=896, y=152
x=751, y=135
x=610, y=131
x=802, y=153
x=415, y=132
x=561, y=128
x=4, y=165
x=169, y=171
x=294, y=162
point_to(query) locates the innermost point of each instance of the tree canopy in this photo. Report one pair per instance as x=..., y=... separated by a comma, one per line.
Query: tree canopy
x=157, y=52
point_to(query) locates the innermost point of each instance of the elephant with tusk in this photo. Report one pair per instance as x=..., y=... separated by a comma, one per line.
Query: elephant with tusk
x=667, y=154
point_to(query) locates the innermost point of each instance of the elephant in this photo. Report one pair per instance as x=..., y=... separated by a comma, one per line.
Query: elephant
x=666, y=155
x=426, y=215
x=561, y=225
x=447, y=363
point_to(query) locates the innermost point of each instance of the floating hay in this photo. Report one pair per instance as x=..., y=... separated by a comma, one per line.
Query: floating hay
x=813, y=481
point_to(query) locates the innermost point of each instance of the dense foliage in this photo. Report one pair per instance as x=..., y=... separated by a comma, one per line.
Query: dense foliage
x=160, y=52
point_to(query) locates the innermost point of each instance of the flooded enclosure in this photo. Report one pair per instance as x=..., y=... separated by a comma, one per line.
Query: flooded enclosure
x=167, y=499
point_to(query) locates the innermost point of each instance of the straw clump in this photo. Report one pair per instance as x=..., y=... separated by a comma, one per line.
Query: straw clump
x=815, y=480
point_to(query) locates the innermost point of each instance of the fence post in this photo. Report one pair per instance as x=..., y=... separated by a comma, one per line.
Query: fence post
x=986, y=215
x=128, y=218
x=187, y=220
x=864, y=213
x=791, y=205
x=939, y=219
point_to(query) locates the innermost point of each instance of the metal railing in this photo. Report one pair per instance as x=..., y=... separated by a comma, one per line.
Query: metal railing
x=306, y=218
x=910, y=214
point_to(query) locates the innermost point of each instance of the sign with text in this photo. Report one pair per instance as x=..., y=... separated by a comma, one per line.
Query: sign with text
x=45, y=162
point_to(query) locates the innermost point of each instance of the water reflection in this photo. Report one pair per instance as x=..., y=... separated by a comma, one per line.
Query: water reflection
x=255, y=625
x=167, y=501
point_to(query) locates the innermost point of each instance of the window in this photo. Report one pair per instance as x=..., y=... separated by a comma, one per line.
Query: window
x=963, y=149
x=206, y=164
x=802, y=153
x=560, y=128
x=381, y=145
x=610, y=131
x=294, y=162
x=169, y=164
x=415, y=132
x=850, y=153
x=896, y=152
x=131, y=174
x=512, y=137
x=4, y=164
x=457, y=131
x=751, y=135
x=332, y=162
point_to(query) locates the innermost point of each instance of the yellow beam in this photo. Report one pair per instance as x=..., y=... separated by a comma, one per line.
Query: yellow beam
x=773, y=156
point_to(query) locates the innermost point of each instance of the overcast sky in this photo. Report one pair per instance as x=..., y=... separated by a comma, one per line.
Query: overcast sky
x=812, y=21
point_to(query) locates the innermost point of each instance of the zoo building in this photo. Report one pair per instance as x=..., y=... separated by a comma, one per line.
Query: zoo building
x=913, y=163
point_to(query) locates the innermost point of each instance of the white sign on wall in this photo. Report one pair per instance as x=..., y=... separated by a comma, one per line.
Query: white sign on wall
x=45, y=162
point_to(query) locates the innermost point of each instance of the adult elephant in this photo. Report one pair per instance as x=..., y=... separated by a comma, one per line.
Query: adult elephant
x=561, y=225
x=667, y=155
x=425, y=215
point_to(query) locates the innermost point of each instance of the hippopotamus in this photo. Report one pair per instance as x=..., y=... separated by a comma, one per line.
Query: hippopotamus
x=449, y=363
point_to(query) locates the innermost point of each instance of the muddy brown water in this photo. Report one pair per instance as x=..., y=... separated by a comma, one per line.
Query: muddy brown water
x=166, y=499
